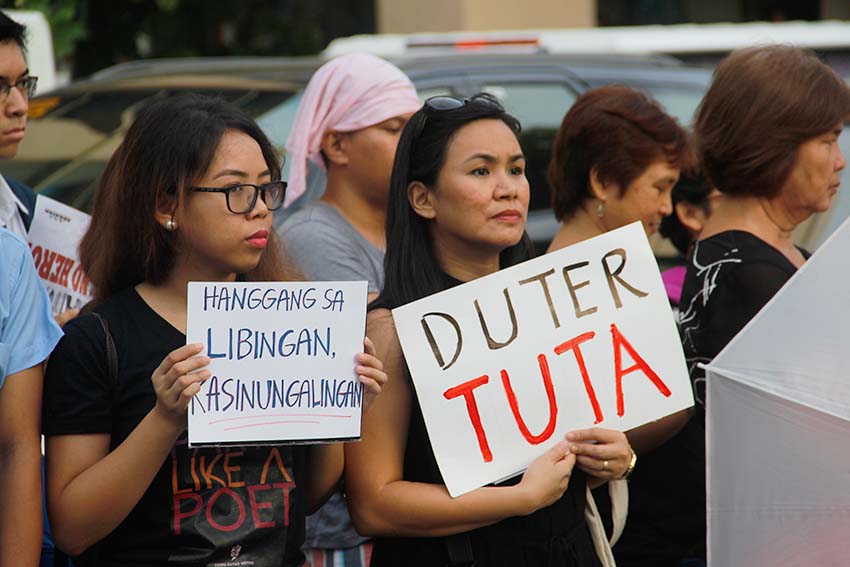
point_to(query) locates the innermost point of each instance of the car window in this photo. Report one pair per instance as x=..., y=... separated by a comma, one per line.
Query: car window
x=69, y=142
x=540, y=108
x=679, y=102
x=425, y=94
x=277, y=121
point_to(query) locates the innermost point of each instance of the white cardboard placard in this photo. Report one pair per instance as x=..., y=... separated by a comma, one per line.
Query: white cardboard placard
x=282, y=361
x=54, y=237
x=479, y=355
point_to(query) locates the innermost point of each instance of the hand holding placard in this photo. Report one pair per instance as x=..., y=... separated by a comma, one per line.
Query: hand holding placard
x=176, y=381
x=371, y=373
x=548, y=477
x=282, y=361
x=583, y=336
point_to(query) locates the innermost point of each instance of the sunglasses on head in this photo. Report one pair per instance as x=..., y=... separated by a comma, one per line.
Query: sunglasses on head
x=447, y=102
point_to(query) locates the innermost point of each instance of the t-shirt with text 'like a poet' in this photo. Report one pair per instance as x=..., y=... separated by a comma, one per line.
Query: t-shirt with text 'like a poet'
x=216, y=507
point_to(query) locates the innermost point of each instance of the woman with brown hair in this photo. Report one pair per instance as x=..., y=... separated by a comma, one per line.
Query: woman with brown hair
x=767, y=132
x=615, y=161
x=188, y=196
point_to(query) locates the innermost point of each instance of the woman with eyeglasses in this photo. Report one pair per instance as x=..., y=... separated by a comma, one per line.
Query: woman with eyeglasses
x=457, y=210
x=188, y=196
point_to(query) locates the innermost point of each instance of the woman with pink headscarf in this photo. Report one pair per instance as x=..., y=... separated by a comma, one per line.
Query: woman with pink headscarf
x=347, y=125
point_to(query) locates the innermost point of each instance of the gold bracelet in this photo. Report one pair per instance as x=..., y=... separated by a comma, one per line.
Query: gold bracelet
x=631, y=467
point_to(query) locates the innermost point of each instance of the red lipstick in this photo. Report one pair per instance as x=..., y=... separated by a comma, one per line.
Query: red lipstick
x=259, y=239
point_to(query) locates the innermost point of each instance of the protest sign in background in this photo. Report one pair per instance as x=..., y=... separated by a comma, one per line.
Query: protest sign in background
x=282, y=361
x=506, y=365
x=777, y=425
x=54, y=237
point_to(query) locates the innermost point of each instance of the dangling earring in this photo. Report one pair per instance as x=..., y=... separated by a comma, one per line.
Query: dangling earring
x=600, y=210
x=170, y=225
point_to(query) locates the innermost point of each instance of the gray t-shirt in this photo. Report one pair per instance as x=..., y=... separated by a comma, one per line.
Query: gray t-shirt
x=326, y=247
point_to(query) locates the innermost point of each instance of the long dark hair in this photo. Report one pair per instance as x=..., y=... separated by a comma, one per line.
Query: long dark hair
x=169, y=147
x=410, y=265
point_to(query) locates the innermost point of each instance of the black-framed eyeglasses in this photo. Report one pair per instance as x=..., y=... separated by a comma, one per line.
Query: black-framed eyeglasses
x=242, y=198
x=25, y=86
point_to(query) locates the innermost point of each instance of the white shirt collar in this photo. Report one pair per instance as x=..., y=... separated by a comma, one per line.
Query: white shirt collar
x=11, y=209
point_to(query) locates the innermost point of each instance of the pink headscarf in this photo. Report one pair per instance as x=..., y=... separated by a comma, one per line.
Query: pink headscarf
x=349, y=93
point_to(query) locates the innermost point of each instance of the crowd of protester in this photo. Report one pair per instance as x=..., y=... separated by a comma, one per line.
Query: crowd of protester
x=415, y=199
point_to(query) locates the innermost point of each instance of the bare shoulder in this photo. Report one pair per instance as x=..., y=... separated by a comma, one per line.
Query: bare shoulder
x=381, y=328
x=381, y=316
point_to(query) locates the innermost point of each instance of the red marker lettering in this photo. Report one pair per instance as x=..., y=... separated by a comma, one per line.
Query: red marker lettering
x=640, y=364
x=574, y=344
x=550, y=394
x=466, y=390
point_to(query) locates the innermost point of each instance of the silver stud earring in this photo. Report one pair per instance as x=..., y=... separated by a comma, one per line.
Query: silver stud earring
x=170, y=225
x=600, y=209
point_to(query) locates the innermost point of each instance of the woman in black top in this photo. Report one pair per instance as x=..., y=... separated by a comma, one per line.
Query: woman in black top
x=458, y=203
x=768, y=132
x=123, y=488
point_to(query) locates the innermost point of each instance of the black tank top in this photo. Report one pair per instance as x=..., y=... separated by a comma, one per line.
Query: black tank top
x=550, y=537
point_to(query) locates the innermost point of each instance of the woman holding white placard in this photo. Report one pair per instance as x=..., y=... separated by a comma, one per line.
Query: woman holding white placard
x=188, y=196
x=458, y=204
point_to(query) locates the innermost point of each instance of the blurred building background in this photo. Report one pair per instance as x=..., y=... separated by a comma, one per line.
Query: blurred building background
x=408, y=16
x=89, y=35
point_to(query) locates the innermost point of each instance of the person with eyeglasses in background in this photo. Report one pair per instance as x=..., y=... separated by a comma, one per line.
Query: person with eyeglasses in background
x=348, y=124
x=457, y=211
x=27, y=331
x=17, y=87
x=187, y=196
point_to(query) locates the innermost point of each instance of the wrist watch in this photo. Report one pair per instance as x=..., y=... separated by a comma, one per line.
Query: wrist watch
x=631, y=467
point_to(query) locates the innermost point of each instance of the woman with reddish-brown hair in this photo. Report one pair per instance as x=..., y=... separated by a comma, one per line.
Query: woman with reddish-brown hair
x=615, y=161
x=767, y=132
x=188, y=196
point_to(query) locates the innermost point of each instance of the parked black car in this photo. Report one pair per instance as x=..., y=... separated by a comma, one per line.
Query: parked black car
x=73, y=130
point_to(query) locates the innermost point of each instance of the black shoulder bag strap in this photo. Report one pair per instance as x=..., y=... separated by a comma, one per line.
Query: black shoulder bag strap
x=59, y=557
x=111, y=352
